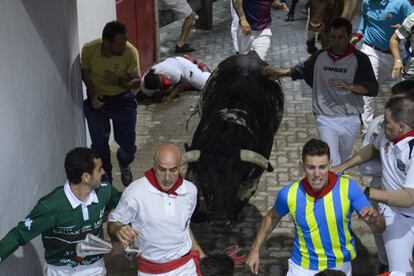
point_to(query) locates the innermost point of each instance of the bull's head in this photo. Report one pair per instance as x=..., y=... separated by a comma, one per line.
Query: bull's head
x=224, y=189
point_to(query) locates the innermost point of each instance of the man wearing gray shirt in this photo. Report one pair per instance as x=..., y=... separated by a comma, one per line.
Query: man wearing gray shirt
x=339, y=76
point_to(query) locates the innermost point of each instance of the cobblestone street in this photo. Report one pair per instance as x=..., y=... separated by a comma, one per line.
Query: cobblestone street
x=159, y=123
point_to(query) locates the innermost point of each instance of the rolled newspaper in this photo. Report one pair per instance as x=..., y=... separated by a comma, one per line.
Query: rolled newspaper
x=93, y=245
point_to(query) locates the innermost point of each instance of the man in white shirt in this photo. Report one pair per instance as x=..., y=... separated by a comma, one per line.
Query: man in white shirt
x=395, y=148
x=154, y=213
x=173, y=75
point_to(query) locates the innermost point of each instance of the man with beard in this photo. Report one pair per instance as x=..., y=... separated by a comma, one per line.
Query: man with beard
x=66, y=215
x=321, y=205
x=154, y=213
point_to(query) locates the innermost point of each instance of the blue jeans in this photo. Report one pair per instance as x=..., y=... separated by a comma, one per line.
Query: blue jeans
x=122, y=110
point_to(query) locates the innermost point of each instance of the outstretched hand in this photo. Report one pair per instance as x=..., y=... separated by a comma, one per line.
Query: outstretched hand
x=271, y=73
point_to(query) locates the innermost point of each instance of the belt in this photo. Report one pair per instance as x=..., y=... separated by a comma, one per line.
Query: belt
x=114, y=98
x=146, y=266
x=385, y=51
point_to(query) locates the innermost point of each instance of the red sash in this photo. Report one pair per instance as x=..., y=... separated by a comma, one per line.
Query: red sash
x=147, y=266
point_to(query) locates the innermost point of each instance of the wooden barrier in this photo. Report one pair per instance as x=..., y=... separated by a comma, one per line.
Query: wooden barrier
x=203, y=8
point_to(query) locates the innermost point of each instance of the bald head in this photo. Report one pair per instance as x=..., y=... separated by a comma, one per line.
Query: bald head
x=167, y=151
x=167, y=161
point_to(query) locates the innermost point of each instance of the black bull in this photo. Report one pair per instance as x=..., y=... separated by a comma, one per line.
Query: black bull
x=241, y=111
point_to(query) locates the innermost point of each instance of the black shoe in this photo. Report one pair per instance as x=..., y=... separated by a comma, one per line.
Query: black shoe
x=186, y=48
x=126, y=175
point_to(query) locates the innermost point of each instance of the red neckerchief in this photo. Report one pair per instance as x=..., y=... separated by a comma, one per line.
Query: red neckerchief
x=349, y=50
x=166, y=83
x=401, y=137
x=150, y=175
x=332, y=179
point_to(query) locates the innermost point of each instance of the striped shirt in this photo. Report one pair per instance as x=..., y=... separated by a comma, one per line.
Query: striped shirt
x=322, y=228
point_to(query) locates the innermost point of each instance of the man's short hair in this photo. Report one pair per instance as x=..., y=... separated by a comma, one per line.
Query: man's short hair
x=79, y=161
x=404, y=88
x=402, y=110
x=315, y=147
x=341, y=22
x=152, y=80
x=113, y=28
x=217, y=264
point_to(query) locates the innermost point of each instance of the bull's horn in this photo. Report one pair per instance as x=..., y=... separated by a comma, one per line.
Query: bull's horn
x=191, y=156
x=255, y=158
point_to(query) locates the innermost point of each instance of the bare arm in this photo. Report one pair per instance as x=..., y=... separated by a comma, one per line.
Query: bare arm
x=244, y=24
x=398, y=67
x=366, y=153
x=195, y=245
x=268, y=223
x=356, y=88
x=274, y=74
x=399, y=198
x=177, y=88
x=133, y=81
x=238, y=7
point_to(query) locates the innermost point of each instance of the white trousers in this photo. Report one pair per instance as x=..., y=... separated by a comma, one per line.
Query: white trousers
x=382, y=65
x=198, y=79
x=258, y=41
x=398, y=238
x=95, y=269
x=340, y=133
x=188, y=269
x=296, y=270
x=234, y=26
x=181, y=8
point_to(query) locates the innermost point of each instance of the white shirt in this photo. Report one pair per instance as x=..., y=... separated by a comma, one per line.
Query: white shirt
x=75, y=202
x=162, y=220
x=372, y=167
x=397, y=167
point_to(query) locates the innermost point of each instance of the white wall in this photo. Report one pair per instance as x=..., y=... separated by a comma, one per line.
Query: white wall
x=91, y=26
x=41, y=114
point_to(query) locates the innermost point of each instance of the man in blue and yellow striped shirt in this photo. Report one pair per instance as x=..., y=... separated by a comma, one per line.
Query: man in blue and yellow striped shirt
x=321, y=205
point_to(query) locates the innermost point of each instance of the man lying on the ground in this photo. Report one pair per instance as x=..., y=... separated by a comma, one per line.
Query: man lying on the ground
x=174, y=75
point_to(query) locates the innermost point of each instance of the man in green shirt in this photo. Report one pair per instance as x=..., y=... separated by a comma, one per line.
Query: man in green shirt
x=66, y=215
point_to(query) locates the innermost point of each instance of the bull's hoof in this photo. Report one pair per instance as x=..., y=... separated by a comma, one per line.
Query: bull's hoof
x=289, y=17
x=310, y=47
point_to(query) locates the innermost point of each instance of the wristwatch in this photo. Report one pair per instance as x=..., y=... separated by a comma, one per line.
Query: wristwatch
x=367, y=191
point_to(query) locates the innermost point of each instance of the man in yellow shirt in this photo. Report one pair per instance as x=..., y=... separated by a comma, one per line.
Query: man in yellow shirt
x=110, y=71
